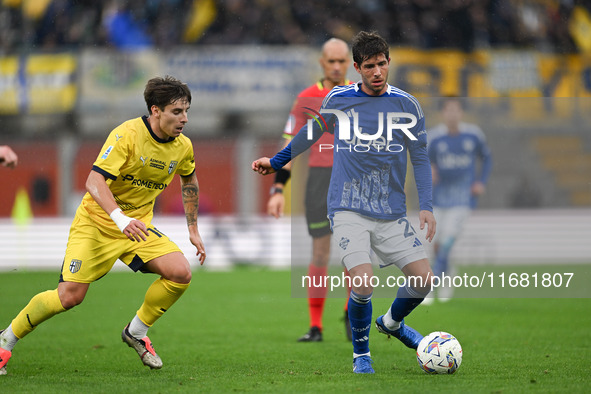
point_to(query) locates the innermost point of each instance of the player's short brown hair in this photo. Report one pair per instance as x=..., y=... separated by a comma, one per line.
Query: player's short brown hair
x=163, y=91
x=366, y=45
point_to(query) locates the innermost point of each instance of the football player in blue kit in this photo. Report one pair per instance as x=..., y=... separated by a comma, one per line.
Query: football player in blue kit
x=461, y=163
x=375, y=126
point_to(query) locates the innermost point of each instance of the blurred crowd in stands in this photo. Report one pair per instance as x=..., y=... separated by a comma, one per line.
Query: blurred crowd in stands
x=545, y=25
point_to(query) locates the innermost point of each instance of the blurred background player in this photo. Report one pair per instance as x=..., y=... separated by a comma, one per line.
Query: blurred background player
x=367, y=201
x=461, y=164
x=335, y=63
x=7, y=157
x=137, y=162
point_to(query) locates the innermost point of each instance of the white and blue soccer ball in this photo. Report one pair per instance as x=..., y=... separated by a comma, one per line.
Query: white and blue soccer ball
x=439, y=353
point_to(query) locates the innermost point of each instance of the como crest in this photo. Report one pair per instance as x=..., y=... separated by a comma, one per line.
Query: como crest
x=344, y=242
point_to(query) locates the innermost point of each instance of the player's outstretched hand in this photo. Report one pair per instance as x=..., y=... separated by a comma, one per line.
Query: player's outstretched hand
x=136, y=230
x=7, y=157
x=198, y=243
x=426, y=217
x=276, y=205
x=263, y=166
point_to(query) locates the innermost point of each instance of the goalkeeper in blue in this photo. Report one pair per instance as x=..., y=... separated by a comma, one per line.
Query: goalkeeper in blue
x=461, y=163
x=375, y=126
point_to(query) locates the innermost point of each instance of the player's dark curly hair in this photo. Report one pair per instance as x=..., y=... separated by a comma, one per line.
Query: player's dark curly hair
x=163, y=91
x=366, y=45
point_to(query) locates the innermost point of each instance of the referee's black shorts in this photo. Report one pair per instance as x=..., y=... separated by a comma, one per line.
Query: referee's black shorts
x=315, y=203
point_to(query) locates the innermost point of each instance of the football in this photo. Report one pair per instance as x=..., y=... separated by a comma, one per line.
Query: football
x=439, y=352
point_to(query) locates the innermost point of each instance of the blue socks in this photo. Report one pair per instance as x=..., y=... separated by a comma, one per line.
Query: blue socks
x=360, y=310
x=406, y=300
x=360, y=314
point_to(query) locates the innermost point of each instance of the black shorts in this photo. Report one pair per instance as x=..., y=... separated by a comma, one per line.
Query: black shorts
x=315, y=203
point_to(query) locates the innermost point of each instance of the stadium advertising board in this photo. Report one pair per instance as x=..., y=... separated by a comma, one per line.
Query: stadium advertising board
x=244, y=78
x=9, y=89
x=256, y=78
x=114, y=81
x=38, y=84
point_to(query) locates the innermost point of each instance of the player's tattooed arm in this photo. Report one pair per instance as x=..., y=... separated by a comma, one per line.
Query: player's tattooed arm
x=190, y=191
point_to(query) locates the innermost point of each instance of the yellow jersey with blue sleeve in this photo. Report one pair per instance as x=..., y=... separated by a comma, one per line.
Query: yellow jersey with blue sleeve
x=138, y=166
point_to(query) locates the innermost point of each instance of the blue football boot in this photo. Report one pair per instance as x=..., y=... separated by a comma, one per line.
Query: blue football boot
x=406, y=334
x=362, y=364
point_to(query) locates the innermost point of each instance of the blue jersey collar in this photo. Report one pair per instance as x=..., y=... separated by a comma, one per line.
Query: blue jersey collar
x=358, y=89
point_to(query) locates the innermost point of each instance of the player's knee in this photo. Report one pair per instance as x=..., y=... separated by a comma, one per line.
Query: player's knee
x=71, y=299
x=71, y=294
x=186, y=276
x=180, y=274
x=424, y=284
x=362, y=283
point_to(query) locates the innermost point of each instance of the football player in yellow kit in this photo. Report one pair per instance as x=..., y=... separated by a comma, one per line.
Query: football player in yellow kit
x=137, y=162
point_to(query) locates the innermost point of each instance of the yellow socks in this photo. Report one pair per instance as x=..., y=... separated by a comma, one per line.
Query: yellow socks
x=159, y=297
x=40, y=308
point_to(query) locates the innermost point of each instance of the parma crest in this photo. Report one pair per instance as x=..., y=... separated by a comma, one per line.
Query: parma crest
x=75, y=265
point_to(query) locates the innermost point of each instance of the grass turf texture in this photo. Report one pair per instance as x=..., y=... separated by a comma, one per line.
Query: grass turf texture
x=236, y=331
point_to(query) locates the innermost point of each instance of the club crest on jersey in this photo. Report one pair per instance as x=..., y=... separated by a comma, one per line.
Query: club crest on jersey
x=75, y=265
x=172, y=166
x=344, y=242
x=468, y=145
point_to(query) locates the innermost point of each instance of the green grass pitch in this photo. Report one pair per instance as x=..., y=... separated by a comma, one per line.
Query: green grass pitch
x=236, y=332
